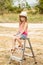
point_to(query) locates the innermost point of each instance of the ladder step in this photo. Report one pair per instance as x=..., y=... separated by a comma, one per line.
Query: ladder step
x=27, y=47
x=16, y=58
x=28, y=54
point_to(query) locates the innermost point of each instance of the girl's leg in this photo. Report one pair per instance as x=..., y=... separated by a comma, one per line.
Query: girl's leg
x=14, y=43
x=19, y=40
x=20, y=44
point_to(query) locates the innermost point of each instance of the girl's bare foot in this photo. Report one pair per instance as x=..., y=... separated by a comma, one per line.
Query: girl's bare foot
x=16, y=47
x=12, y=49
x=20, y=46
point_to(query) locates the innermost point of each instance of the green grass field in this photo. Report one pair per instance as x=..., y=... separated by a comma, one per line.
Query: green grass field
x=11, y=18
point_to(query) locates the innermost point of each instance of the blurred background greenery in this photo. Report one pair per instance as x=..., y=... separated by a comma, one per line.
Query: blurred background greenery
x=9, y=12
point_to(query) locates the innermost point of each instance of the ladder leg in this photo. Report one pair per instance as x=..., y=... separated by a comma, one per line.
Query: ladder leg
x=32, y=51
x=23, y=48
x=21, y=63
x=9, y=62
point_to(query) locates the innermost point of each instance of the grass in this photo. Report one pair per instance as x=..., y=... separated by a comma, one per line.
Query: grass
x=12, y=18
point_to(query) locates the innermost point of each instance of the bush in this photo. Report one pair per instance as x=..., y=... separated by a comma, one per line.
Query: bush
x=15, y=9
x=41, y=6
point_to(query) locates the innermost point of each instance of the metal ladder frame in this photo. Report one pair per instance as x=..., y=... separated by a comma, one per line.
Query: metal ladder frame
x=23, y=53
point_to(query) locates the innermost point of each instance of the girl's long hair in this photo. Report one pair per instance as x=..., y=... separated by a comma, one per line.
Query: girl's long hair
x=20, y=21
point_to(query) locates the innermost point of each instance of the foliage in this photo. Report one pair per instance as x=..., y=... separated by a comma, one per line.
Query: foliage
x=27, y=6
x=41, y=6
x=4, y=5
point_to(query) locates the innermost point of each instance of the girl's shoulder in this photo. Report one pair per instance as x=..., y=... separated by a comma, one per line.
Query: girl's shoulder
x=26, y=24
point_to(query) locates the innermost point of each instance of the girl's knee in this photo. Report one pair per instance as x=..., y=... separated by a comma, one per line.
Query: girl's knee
x=15, y=39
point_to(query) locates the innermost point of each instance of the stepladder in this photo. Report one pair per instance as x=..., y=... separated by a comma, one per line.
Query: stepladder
x=13, y=57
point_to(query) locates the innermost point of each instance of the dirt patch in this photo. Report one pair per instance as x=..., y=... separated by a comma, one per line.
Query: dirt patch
x=6, y=44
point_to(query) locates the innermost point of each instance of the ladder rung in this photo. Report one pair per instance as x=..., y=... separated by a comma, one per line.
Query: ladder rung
x=28, y=54
x=16, y=58
x=27, y=47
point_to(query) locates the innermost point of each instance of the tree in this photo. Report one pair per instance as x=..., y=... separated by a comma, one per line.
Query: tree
x=4, y=5
x=41, y=6
x=27, y=6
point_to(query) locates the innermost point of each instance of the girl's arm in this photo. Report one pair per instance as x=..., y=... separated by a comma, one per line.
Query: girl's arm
x=18, y=32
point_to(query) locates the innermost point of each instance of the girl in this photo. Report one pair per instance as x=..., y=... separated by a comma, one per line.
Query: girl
x=23, y=28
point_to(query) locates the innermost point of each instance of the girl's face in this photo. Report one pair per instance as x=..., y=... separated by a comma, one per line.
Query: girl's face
x=22, y=18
